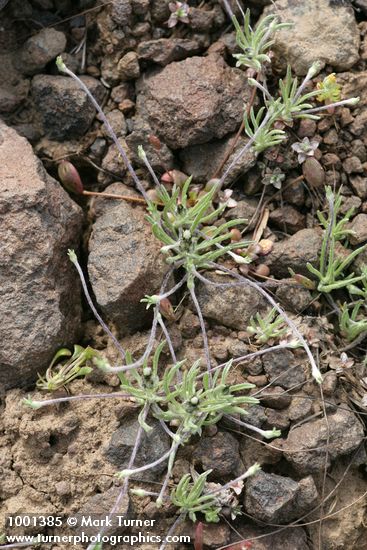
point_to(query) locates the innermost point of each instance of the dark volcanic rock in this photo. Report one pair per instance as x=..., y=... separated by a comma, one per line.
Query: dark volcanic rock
x=165, y=50
x=342, y=434
x=153, y=445
x=40, y=298
x=230, y=306
x=124, y=264
x=279, y=499
x=193, y=101
x=219, y=453
x=66, y=111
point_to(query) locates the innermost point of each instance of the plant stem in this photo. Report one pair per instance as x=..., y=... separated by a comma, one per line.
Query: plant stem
x=204, y=334
x=243, y=281
x=110, y=130
x=111, y=196
x=125, y=485
x=119, y=348
x=237, y=136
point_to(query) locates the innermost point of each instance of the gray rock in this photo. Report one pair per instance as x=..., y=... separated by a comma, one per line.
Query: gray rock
x=153, y=445
x=300, y=408
x=269, y=539
x=165, y=50
x=128, y=67
x=193, y=101
x=140, y=136
x=230, y=306
x=201, y=20
x=295, y=299
x=118, y=123
x=278, y=366
x=195, y=159
x=121, y=12
x=219, y=453
x=359, y=226
x=40, y=296
x=332, y=23
x=278, y=499
x=359, y=186
x=13, y=87
x=276, y=398
x=40, y=49
x=342, y=434
x=289, y=218
x=98, y=507
x=66, y=111
x=124, y=264
x=302, y=247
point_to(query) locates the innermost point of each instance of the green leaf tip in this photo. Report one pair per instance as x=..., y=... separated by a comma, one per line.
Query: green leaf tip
x=141, y=153
x=28, y=402
x=72, y=256
x=60, y=64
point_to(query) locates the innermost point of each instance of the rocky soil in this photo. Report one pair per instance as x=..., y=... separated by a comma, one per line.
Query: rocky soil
x=181, y=85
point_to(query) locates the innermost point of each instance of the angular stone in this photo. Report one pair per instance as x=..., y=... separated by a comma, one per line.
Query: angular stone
x=40, y=49
x=359, y=226
x=153, y=445
x=40, y=296
x=334, y=25
x=342, y=434
x=220, y=454
x=195, y=159
x=302, y=247
x=277, y=499
x=13, y=87
x=98, y=507
x=280, y=366
x=165, y=50
x=66, y=111
x=193, y=101
x=124, y=264
x=230, y=306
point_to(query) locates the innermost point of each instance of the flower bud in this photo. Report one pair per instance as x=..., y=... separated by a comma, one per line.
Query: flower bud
x=235, y=235
x=155, y=142
x=69, y=177
x=262, y=270
x=166, y=309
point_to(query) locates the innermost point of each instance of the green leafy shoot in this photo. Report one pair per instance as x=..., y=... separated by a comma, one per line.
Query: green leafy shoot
x=351, y=327
x=254, y=43
x=270, y=327
x=331, y=273
x=179, y=227
x=190, y=406
x=60, y=374
x=181, y=398
x=147, y=388
x=329, y=91
x=261, y=130
x=292, y=102
x=189, y=498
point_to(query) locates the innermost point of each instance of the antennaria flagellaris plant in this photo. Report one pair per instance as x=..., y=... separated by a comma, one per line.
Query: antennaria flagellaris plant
x=181, y=397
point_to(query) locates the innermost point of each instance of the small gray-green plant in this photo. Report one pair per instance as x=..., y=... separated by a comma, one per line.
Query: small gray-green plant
x=255, y=42
x=270, y=327
x=59, y=374
x=184, y=231
x=352, y=325
x=331, y=274
x=189, y=498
